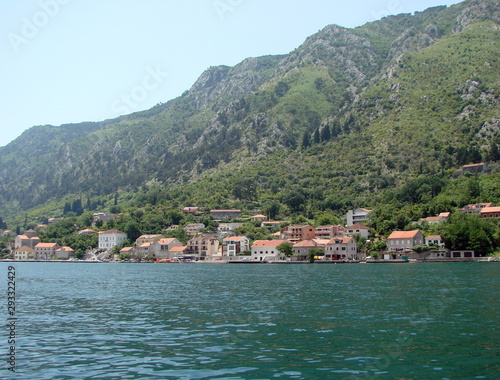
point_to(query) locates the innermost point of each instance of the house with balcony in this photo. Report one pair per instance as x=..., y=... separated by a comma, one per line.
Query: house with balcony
x=328, y=232
x=358, y=215
x=341, y=248
x=475, y=208
x=295, y=234
x=235, y=245
x=201, y=248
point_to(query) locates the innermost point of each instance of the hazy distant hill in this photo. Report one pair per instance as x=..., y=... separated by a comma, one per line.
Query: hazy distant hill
x=347, y=114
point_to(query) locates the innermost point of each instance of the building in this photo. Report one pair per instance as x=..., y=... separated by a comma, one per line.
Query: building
x=162, y=249
x=472, y=168
x=475, y=208
x=266, y=250
x=24, y=253
x=435, y=240
x=341, y=248
x=194, y=228
x=302, y=248
x=441, y=218
x=225, y=214
x=103, y=216
x=144, y=250
x=190, y=210
x=111, y=238
x=258, y=218
x=201, y=248
x=228, y=228
x=328, y=232
x=359, y=230
x=295, y=234
x=271, y=224
x=25, y=241
x=404, y=240
x=358, y=215
x=87, y=232
x=46, y=251
x=64, y=253
x=235, y=245
x=147, y=239
x=490, y=212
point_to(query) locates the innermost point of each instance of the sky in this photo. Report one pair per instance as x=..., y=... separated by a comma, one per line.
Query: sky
x=69, y=61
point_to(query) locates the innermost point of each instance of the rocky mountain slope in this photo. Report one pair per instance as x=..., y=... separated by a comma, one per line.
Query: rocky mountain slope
x=362, y=109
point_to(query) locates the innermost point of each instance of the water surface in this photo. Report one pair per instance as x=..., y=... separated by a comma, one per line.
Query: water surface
x=195, y=321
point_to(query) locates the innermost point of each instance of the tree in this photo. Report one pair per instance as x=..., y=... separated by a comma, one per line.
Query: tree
x=313, y=253
x=285, y=248
x=469, y=232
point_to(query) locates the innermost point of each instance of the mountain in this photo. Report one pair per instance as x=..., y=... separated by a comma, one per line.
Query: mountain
x=344, y=117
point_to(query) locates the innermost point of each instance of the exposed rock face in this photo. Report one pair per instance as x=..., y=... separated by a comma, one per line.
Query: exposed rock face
x=477, y=10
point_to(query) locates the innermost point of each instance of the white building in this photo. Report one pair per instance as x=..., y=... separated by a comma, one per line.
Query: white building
x=358, y=215
x=266, y=250
x=111, y=238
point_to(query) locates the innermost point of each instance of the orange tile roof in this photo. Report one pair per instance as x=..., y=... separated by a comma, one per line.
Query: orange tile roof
x=403, y=234
x=490, y=209
x=305, y=243
x=343, y=240
x=178, y=249
x=268, y=243
x=46, y=245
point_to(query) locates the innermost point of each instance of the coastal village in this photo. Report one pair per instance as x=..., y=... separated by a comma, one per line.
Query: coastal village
x=289, y=244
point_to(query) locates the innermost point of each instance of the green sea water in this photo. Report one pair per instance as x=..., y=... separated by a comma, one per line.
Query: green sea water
x=199, y=321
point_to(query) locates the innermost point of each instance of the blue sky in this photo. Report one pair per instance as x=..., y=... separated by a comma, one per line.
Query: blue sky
x=68, y=61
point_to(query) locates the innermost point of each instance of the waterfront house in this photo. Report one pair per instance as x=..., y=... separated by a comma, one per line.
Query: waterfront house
x=162, y=248
x=435, y=240
x=177, y=252
x=144, y=250
x=341, y=248
x=328, y=232
x=301, y=249
x=490, y=212
x=46, y=251
x=201, y=248
x=64, y=253
x=111, y=238
x=24, y=253
x=358, y=215
x=404, y=240
x=295, y=234
x=225, y=214
x=266, y=250
x=235, y=245
x=130, y=251
x=359, y=230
